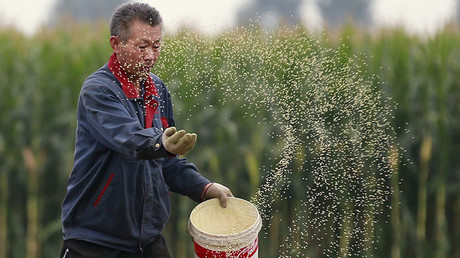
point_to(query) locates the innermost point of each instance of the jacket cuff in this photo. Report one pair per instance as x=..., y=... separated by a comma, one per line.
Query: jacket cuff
x=154, y=150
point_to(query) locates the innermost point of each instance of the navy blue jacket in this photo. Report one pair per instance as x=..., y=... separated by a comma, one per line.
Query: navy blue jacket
x=118, y=191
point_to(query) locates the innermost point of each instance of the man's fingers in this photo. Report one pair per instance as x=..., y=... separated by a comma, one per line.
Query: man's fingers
x=223, y=196
x=223, y=200
x=191, y=141
x=178, y=142
x=187, y=142
x=170, y=131
x=176, y=136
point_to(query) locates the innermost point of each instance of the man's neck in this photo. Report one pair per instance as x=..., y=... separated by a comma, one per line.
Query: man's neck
x=136, y=82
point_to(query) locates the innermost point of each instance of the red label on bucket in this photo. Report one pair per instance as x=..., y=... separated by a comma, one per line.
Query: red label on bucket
x=245, y=252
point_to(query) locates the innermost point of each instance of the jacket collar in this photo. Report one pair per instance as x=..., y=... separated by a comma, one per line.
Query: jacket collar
x=130, y=89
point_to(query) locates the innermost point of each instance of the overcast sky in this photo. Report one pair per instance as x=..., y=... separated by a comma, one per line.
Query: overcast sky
x=419, y=16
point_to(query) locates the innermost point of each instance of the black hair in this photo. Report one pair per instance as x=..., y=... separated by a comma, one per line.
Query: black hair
x=127, y=13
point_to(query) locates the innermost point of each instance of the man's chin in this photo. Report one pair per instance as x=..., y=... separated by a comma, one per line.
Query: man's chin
x=146, y=70
x=141, y=73
x=144, y=74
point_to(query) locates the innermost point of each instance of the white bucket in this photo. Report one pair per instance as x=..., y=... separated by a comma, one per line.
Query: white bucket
x=229, y=232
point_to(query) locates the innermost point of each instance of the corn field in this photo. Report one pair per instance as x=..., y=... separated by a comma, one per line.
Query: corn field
x=214, y=82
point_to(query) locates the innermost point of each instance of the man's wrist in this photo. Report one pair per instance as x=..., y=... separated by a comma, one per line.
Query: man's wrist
x=169, y=154
x=205, y=190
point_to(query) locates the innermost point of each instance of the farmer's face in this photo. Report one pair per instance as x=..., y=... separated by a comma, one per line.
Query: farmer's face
x=140, y=51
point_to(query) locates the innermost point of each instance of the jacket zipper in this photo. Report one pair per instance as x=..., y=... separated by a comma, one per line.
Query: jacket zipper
x=142, y=218
x=142, y=107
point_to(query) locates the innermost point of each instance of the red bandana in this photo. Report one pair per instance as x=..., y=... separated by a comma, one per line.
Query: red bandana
x=130, y=89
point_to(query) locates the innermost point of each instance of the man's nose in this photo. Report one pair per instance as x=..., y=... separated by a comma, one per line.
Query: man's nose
x=149, y=55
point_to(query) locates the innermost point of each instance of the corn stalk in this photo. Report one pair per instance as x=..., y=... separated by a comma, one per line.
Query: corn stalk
x=395, y=202
x=425, y=155
x=32, y=241
x=4, y=190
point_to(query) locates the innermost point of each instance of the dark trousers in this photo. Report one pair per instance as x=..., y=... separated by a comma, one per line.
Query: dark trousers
x=82, y=249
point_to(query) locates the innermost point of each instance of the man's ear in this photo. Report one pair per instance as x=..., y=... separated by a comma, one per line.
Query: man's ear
x=115, y=43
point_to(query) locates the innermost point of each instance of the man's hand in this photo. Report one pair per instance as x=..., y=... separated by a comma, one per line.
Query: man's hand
x=215, y=190
x=178, y=142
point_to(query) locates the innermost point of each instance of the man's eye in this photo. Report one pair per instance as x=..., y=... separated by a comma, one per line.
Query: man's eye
x=142, y=47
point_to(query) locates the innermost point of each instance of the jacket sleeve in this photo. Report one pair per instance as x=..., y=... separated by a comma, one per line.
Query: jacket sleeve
x=110, y=123
x=183, y=178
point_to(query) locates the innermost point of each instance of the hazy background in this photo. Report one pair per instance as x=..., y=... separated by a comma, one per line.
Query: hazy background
x=55, y=44
x=423, y=17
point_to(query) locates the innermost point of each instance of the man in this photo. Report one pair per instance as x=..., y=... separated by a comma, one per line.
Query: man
x=126, y=152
